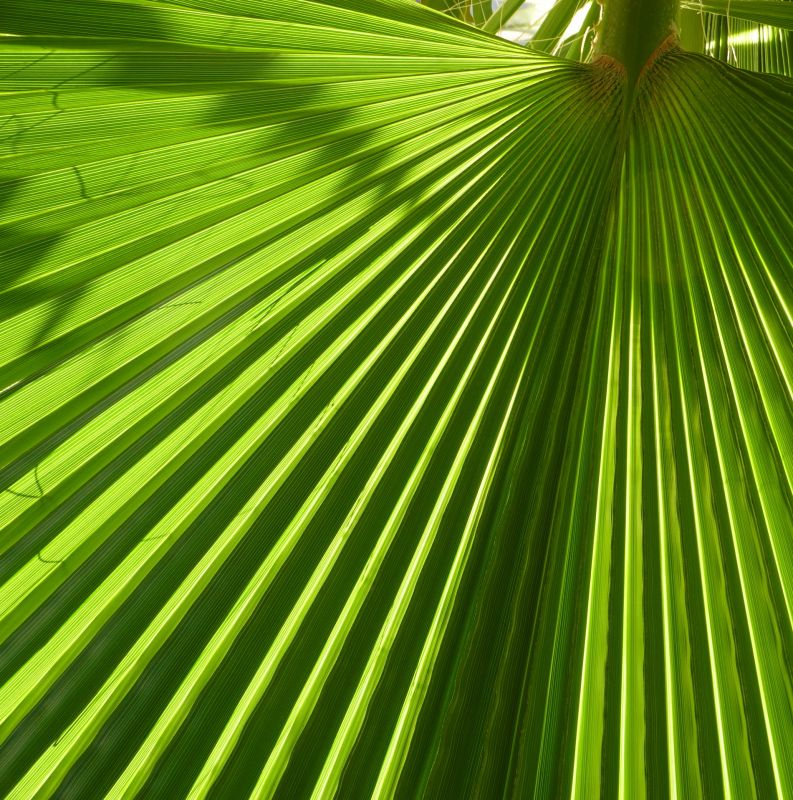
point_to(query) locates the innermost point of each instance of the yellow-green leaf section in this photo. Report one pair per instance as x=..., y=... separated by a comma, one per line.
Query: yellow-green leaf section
x=388, y=410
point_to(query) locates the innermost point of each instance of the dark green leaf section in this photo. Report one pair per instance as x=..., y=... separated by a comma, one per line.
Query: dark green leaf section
x=685, y=672
x=385, y=414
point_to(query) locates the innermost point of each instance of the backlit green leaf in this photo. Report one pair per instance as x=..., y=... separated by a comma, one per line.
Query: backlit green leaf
x=388, y=409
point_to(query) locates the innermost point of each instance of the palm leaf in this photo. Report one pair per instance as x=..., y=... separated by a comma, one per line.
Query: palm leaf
x=551, y=31
x=755, y=36
x=762, y=12
x=502, y=15
x=388, y=409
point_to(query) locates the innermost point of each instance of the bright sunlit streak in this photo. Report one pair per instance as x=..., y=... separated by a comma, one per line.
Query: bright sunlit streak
x=525, y=23
x=753, y=36
x=577, y=22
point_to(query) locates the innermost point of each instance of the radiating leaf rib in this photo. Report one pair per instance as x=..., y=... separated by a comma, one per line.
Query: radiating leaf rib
x=302, y=519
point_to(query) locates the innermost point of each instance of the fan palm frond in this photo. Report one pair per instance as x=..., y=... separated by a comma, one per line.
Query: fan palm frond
x=388, y=409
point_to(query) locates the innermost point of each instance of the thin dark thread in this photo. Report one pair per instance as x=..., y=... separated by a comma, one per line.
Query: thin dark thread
x=26, y=494
x=22, y=494
x=83, y=190
x=25, y=66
